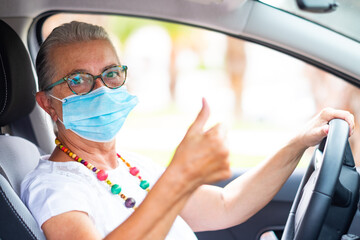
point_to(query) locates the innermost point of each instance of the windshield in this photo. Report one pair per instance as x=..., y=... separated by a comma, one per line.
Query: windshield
x=344, y=19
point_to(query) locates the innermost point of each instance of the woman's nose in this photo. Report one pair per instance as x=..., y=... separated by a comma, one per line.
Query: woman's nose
x=98, y=82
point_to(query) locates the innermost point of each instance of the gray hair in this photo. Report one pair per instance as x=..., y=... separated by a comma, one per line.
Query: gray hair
x=67, y=33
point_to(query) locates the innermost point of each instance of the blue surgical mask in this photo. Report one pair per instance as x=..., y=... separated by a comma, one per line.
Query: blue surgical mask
x=99, y=115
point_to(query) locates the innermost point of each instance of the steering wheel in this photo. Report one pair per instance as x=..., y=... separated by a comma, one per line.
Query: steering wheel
x=327, y=197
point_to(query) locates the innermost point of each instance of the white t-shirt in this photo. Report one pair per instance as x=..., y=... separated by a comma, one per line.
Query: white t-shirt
x=53, y=188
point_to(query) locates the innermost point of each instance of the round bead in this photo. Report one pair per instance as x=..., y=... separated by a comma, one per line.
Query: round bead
x=85, y=163
x=76, y=158
x=115, y=189
x=144, y=184
x=102, y=175
x=127, y=164
x=94, y=169
x=70, y=154
x=134, y=171
x=74, y=155
x=130, y=202
x=82, y=161
x=122, y=196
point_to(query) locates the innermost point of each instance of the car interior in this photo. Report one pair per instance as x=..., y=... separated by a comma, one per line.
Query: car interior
x=297, y=211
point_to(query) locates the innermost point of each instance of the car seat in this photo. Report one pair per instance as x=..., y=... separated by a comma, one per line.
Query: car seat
x=18, y=153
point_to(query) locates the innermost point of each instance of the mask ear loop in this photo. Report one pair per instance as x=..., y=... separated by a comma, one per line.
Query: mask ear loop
x=61, y=100
x=61, y=122
x=70, y=129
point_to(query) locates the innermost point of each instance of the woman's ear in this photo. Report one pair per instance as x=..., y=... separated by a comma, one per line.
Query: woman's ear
x=44, y=102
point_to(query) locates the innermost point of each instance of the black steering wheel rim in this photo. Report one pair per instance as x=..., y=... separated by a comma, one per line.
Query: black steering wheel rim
x=316, y=191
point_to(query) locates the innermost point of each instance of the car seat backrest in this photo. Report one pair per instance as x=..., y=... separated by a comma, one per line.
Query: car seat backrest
x=18, y=156
x=17, y=85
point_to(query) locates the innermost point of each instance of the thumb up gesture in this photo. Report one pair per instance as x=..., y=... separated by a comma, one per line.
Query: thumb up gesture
x=202, y=156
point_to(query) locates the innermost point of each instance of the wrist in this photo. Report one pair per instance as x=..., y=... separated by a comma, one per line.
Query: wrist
x=183, y=178
x=297, y=144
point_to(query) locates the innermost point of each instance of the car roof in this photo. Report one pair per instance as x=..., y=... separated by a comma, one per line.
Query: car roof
x=247, y=19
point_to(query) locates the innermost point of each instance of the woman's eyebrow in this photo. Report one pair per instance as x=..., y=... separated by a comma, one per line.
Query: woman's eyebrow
x=81, y=70
x=111, y=65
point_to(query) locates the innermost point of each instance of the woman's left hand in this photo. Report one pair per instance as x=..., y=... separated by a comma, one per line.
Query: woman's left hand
x=318, y=127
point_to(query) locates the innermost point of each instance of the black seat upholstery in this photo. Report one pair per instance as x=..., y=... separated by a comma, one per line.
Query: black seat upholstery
x=18, y=155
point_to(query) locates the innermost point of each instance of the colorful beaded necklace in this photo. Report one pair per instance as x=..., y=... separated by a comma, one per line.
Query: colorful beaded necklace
x=103, y=176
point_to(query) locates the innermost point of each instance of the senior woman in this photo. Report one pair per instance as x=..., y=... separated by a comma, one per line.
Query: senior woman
x=87, y=190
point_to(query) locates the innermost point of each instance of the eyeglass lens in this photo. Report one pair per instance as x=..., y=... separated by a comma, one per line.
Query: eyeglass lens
x=82, y=83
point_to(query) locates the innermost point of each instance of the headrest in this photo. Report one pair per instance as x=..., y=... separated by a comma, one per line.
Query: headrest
x=17, y=83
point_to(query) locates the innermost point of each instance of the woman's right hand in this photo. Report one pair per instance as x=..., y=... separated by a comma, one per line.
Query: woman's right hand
x=202, y=156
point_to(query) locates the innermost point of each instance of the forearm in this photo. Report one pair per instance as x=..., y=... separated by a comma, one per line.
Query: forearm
x=249, y=193
x=167, y=220
x=213, y=208
x=155, y=216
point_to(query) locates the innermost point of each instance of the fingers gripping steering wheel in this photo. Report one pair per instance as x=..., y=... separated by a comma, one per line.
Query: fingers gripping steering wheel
x=327, y=197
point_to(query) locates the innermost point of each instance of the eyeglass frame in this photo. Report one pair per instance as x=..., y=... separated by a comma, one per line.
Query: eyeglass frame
x=65, y=79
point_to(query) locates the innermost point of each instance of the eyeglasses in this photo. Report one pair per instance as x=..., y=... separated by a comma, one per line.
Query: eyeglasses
x=81, y=83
